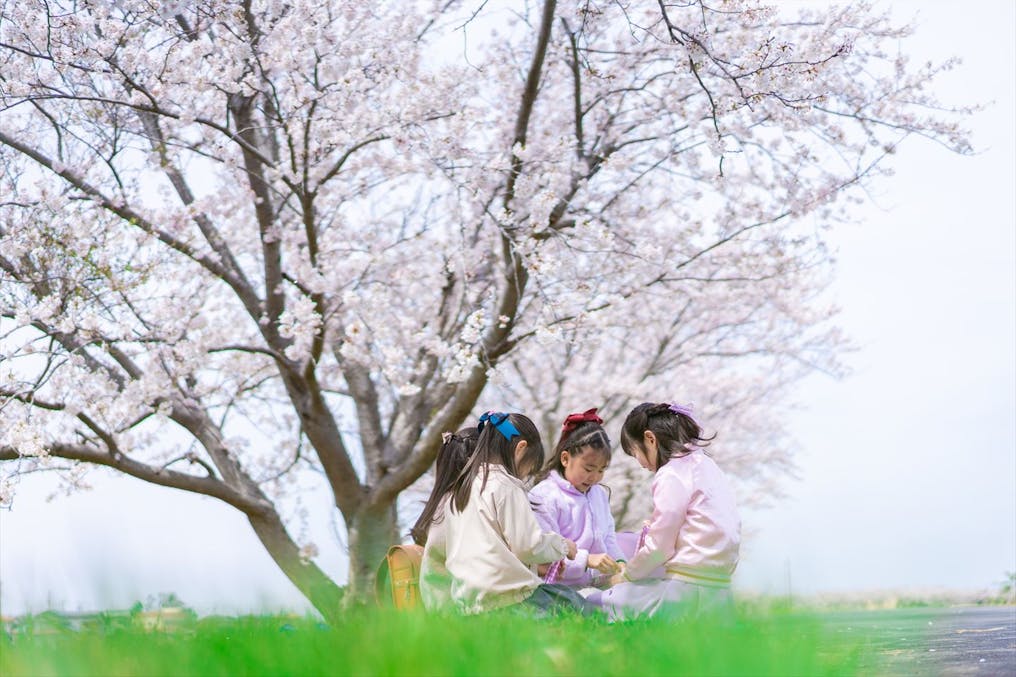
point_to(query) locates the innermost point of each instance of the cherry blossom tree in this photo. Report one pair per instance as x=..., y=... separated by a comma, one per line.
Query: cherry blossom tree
x=240, y=240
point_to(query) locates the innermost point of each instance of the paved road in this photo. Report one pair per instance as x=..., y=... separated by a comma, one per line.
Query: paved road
x=950, y=641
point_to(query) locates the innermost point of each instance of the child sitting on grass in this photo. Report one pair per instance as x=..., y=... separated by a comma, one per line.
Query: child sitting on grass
x=435, y=581
x=571, y=501
x=489, y=538
x=695, y=530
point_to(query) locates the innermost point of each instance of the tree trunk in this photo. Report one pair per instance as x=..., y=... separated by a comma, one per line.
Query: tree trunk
x=318, y=588
x=371, y=532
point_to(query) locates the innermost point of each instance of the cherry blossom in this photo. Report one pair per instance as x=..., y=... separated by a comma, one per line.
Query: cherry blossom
x=243, y=241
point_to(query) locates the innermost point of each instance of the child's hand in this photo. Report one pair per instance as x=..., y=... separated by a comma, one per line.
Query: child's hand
x=542, y=569
x=603, y=563
x=618, y=577
x=572, y=548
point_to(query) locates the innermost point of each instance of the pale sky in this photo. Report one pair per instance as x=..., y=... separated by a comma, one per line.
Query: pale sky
x=907, y=467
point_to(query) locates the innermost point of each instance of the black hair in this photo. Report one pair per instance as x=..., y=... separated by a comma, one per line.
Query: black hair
x=451, y=459
x=588, y=434
x=493, y=448
x=675, y=432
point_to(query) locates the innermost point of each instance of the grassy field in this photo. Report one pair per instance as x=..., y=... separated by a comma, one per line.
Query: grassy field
x=389, y=643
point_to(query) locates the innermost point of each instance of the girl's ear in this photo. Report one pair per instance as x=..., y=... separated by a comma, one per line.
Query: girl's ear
x=520, y=451
x=652, y=449
x=565, y=458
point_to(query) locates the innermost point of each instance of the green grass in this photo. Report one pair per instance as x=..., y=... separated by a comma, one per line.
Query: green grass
x=390, y=643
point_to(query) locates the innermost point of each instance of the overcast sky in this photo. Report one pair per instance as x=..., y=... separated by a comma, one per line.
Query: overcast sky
x=907, y=467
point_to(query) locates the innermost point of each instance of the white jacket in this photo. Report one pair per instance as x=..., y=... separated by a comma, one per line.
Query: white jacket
x=487, y=549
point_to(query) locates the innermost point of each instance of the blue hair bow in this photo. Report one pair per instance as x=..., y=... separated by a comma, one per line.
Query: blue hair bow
x=500, y=421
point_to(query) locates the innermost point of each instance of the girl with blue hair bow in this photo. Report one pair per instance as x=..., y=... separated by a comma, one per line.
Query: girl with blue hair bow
x=489, y=541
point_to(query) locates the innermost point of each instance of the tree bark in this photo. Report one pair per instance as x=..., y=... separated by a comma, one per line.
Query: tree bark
x=317, y=587
x=371, y=532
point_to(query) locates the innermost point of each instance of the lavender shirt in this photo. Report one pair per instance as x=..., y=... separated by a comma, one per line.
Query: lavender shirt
x=695, y=530
x=584, y=518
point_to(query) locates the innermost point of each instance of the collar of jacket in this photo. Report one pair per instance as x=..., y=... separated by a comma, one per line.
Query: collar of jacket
x=564, y=485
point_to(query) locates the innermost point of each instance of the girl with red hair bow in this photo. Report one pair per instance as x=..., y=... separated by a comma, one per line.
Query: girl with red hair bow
x=570, y=501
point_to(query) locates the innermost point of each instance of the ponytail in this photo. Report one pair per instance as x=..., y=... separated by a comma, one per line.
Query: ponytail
x=677, y=432
x=451, y=459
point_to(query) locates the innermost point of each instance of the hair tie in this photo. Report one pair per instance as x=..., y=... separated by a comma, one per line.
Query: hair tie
x=682, y=409
x=573, y=421
x=445, y=436
x=500, y=421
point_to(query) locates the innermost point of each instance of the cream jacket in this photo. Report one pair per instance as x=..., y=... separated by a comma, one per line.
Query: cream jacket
x=435, y=581
x=479, y=559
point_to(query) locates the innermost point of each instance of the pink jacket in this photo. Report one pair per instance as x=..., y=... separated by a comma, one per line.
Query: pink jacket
x=584, y=518
x=695, y=530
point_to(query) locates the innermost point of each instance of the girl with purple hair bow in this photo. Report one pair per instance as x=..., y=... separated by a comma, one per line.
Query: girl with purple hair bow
x=683, y=564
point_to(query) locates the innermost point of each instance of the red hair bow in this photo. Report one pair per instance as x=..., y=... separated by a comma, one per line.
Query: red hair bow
x=574, y=420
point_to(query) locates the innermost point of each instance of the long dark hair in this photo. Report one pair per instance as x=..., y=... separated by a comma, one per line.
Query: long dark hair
x=451, y=459
x=577, y=435
x=495, y=447
x=677, y=433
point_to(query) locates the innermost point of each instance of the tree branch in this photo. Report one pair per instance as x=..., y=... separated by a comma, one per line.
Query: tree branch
x=208, y=486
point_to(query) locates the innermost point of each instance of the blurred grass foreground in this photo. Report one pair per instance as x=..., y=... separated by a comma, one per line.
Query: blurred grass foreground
x=385, y=642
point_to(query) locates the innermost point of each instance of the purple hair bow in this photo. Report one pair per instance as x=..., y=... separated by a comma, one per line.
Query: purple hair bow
x=682, y=409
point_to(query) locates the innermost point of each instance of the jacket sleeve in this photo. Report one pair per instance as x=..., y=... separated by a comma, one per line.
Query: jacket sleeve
x=548, y=514
x=671, y=497
x=435, y=581
x=575, y=570
x=610, y=535
x=525, y=537
x=545, y=508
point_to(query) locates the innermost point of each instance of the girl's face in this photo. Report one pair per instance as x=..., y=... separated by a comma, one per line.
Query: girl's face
x=647, y=452
x=584, y=468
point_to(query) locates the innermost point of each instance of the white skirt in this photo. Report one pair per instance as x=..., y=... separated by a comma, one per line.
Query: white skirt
x=664, y=597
